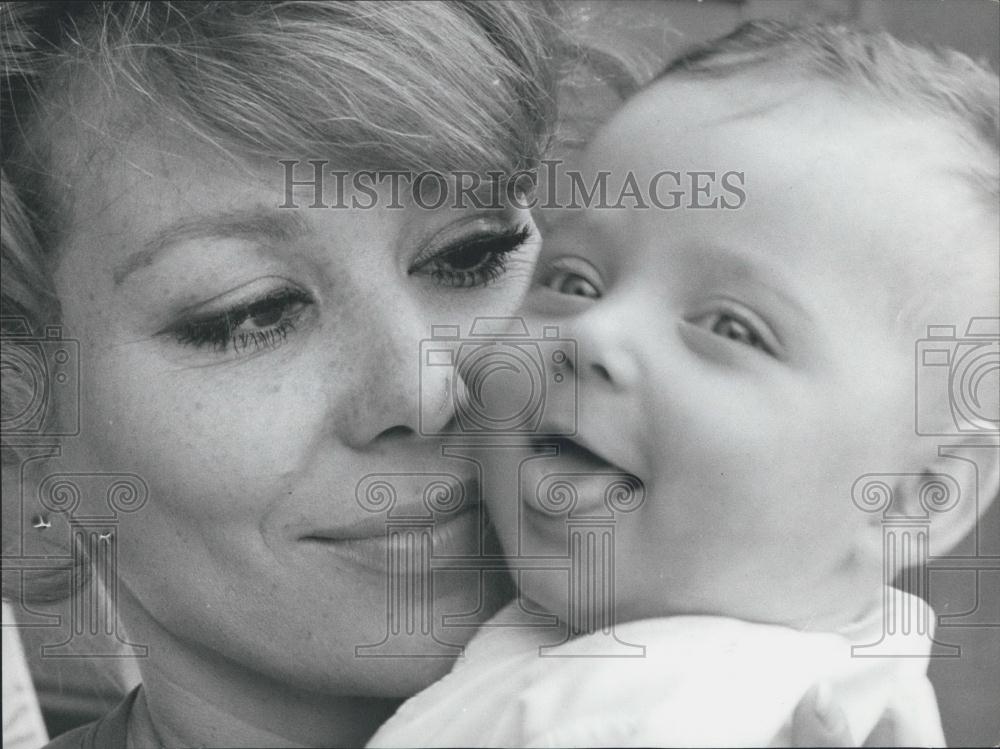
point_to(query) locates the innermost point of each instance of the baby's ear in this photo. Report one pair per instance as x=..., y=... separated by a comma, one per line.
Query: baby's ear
x=954, y=490
x=941, y=503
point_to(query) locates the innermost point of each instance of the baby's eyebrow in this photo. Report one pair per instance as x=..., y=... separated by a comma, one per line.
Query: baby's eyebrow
x=255, y=224
x=744, y=265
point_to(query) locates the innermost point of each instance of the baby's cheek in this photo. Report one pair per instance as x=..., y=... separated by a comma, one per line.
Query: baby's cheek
x=501, y=494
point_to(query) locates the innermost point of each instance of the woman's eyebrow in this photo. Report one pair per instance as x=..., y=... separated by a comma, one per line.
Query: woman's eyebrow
x=255, y=224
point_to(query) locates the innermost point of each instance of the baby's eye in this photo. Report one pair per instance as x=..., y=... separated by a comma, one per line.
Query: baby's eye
x=570, y=283
x=735, y=330
x=737, y=327
x=572, y=276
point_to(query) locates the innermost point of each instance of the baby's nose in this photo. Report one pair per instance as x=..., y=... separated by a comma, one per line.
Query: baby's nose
x=606, y=353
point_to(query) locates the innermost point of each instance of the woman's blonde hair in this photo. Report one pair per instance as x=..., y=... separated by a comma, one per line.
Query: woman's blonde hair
x=401, y=85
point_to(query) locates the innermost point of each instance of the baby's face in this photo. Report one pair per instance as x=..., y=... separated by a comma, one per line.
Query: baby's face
x=746, y=364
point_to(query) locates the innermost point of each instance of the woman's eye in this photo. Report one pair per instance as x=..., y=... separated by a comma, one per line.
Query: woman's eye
x=475, y=261
x=246, y=328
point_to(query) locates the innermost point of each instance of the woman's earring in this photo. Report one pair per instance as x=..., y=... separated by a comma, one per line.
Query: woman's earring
x=41, y=522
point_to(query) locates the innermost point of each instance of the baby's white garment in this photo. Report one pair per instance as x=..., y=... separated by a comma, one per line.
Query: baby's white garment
x=704, y=681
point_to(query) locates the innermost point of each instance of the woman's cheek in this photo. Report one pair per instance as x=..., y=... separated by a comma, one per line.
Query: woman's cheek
x=205, y=440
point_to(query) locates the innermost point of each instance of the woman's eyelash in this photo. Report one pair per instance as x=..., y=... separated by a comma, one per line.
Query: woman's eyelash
x=246, y=328
x=473, y=261
x=476, y=260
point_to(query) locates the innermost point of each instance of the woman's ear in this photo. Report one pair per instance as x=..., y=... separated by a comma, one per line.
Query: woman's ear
x=21, y=509
x=37, y=544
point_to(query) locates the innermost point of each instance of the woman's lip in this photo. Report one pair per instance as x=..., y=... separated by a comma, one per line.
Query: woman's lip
x=365, y=529
x=451, y=535
x=373, y=523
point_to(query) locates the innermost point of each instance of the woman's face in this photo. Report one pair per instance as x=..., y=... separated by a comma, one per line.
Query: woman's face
x=252, y=364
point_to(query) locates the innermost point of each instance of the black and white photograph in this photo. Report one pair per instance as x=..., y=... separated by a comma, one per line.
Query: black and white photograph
x=500, y=373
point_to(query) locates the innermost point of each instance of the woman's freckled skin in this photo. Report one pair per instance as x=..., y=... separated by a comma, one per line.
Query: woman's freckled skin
x=222, y=344
x=236, y=451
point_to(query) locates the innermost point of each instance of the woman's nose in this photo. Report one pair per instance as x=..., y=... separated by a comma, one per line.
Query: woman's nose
x=394, y=393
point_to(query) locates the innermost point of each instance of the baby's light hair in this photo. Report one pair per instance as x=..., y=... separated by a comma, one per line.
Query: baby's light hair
x=940, y=82
x=928, y=81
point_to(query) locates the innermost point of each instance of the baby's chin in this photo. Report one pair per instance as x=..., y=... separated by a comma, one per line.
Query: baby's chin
x=816, y=608
x=552, y=591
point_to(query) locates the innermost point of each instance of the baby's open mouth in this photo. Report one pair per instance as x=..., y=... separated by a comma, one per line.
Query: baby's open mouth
x=573, y=453
x=576, y=479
